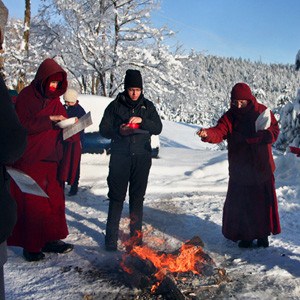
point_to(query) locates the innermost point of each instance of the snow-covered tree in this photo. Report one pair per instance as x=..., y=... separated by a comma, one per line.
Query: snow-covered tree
x=98, y=40
x=211, y=79
x=289, y=124
x=23, y=51
x=21, y=59
x=289, y=114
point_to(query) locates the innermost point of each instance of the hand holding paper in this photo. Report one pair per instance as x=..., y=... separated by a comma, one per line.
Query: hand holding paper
x=82, y=123
x=263, y=121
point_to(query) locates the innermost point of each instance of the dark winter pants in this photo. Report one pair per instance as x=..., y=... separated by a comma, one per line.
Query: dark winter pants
x=124, y=169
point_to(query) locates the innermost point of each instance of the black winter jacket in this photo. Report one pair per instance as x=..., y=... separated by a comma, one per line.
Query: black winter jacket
x=12, y=144
x=118, y=112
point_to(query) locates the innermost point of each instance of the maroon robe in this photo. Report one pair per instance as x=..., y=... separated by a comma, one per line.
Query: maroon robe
x=40, y=219
x=251, y=209
x=71, y=161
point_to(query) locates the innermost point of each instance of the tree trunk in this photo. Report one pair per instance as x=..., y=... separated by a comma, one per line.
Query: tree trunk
x=3, y=20
x=27, y=18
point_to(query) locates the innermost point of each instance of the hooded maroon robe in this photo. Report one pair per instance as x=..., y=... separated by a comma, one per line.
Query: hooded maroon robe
x=40, y=219
x=250, y=209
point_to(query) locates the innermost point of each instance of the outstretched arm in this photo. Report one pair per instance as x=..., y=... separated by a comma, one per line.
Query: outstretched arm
x=217, y=133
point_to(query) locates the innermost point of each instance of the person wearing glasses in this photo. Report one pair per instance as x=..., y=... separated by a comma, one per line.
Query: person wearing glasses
x=251, y=209
x=129, y=121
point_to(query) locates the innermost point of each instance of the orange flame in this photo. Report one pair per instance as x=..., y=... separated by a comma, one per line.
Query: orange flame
x=186, y=260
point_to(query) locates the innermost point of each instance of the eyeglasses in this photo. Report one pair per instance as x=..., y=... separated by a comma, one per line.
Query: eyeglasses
x=239, y=103
x=134, y=90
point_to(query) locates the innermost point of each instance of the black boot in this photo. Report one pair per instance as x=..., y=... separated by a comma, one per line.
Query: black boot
x=73, y=190
x=245, y=244
x=58, y=247
x=112, y=225
x=33, y=256
x=263, y=242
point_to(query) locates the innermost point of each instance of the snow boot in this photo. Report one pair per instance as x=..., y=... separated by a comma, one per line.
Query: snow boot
x=73, y=190
x=245, y=244
x=112, y=225
x=58, y=247
x=263, y=242
x=33, y=256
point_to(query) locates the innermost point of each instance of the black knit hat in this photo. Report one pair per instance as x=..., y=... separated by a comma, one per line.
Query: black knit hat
x=133, y=78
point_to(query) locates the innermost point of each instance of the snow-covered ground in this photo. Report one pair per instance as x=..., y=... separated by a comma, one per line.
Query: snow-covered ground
x=185, y=196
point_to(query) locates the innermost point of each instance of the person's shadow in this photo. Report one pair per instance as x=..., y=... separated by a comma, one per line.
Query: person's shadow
x=166, y=220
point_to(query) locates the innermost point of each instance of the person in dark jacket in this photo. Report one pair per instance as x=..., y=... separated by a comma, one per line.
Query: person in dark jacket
x=74, y=109
x=129, y=121
x=13, y=143
x=251, y=208
x=42, y=221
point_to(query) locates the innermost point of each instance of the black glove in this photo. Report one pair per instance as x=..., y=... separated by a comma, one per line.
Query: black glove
x=256, y=139
x=125, y=130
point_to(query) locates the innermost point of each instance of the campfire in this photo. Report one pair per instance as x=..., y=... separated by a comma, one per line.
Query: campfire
x=182, y=274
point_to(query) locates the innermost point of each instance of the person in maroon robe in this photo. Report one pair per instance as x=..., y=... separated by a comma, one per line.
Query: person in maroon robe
x=41, y=221
x=251, y=208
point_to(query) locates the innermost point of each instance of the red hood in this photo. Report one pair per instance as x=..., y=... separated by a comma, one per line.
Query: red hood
x=48, y=68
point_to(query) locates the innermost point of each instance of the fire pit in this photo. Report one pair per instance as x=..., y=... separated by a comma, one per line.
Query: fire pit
x=186, y=273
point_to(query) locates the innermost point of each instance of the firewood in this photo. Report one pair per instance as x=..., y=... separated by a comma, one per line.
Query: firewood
x=168, y=288
x=138, y=279
x=200, y=279
x=195, y=241
x=143, y=265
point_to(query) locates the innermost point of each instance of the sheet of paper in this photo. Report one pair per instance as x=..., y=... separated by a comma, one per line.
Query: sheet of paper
x=25, y=182
x=263, y=121
x=82, y=123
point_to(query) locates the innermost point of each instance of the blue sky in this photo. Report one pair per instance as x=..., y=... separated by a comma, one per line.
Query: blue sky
x=260, y=30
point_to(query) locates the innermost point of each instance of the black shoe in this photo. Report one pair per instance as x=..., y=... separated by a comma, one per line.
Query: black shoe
x=264, y=242
x=58, y=247
x=245, y=244
x=72, y=192
x=33, y=256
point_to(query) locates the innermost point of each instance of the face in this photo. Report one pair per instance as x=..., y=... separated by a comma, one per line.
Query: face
x=134, y=93
x=53, y=85
x=239, y=103
x=70, y=103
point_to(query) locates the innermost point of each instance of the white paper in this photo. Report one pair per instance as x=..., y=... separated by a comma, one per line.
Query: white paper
x=25, y=182
x=82, y=123
x=263, y=121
